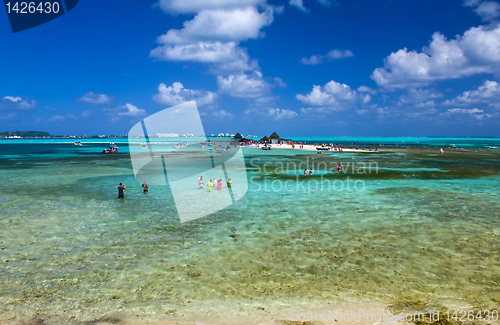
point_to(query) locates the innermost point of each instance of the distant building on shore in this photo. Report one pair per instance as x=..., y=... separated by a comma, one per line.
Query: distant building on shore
x=167, y=135
x=238, y=139
x=275, y=138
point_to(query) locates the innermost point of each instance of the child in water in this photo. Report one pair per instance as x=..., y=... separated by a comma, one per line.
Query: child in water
x=210, y=185
x=229, y=183
x=219, y=184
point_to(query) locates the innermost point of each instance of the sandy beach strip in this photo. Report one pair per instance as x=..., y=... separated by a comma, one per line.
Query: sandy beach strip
x=310, y=147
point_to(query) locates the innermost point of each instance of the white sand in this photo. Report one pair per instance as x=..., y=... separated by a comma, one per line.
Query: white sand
x=254, y=314
x=310, y=147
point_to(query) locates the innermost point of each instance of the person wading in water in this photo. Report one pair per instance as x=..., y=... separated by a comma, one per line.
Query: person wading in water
x=121, y=188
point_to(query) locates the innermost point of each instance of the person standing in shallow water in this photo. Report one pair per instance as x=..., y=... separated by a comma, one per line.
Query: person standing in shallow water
x=145, y=187
x=121, y=188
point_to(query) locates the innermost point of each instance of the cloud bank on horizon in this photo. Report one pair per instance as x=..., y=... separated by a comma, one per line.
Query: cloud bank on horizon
x=252, y=61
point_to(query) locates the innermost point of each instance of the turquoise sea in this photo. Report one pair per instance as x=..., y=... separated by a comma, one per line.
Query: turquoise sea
x=406, y=227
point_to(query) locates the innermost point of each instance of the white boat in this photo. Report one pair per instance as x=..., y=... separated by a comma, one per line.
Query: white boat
x=266, y=147
x=222, y=149
x=181, y=145
x=78, y=143
x=111, y=149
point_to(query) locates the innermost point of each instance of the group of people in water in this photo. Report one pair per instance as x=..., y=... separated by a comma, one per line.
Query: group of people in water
x=122, y=188
x=311, y=172
x=213, y=183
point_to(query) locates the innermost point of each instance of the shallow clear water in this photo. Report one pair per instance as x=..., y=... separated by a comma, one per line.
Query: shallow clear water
x=406, y=226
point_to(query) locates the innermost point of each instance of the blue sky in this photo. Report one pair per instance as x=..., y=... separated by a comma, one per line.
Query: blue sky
x=298, y=67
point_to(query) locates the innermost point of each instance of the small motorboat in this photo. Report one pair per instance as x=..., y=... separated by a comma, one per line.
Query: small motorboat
x=111, y=149
x=222, y=149
x=181, y=145
x=78, y=143
x=266, y=147
x=144, y=146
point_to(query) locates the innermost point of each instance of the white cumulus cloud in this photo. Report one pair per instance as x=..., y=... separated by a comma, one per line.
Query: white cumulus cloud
x=477, y=51
x=330, y=56
x=13, y=99
x=280, y=82
x=17, y=103
x=299, y=5
x=131, y=110
x=222, y=114
x=366, y=89
x=243, y=85
x=488, y=92
x=478, y=114
x=193, y=6
x=487, y=10
x=214, y=34
x=417, y=96
x=95, y=99
x=227, y=56
x=125, y=110
x=280, y=114
x=333, y=95
x=233, y=25
x=177, y=94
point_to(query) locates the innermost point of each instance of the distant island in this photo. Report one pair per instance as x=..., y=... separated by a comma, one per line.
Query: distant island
x=47, y=135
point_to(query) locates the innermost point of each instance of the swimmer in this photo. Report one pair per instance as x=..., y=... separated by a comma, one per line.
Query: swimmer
x=145, y=187
x=441, y=151
x=229, y=183
x=200, y=182
x=121, y=188
x=219, y=184
x=305, y=172
x=210, y=186
x=311, y=172
x=339, y=167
